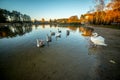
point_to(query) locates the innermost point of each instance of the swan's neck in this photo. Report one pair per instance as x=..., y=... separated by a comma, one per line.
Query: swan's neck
x=95, y=35
x=38, y=43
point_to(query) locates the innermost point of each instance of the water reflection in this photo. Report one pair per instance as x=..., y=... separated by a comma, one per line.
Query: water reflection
x=64, y=56
x=73, y=28
x=53, y=25
x=14, y=30
x=70, y=27
x=86, y=31
x=92, y=51
x=53, y=30
x=43, y=26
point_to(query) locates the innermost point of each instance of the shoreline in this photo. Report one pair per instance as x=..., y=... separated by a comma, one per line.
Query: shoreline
x=108, y=56
x=112, y=26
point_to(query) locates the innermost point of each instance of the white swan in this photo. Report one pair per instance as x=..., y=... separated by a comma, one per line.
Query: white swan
x=58, y=35
x=40, y=43
x=98, y=40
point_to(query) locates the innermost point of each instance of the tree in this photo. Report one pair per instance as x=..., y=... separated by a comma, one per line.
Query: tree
x=114, y=8
x=14, y=16
x=99, y=15
x=2, y=17
x=43, y=20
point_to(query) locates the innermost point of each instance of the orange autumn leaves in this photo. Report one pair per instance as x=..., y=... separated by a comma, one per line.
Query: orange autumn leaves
x=110, y=14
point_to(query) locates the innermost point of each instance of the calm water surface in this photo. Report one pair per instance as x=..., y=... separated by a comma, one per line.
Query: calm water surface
x=65, y=58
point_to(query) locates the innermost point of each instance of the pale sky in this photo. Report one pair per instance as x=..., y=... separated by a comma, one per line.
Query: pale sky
x=47, y=9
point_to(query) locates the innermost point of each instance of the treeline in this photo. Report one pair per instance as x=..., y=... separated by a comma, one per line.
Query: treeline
x=14, y=16
x=103, y=14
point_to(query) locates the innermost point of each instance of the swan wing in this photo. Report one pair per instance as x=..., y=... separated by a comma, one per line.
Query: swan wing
x=101, y=38
x=98, y=40
x=58, y=34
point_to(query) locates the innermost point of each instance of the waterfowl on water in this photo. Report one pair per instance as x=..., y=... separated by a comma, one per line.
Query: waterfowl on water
x=59, y=31
x=40, y=43
x=67, y=32
x=52, y=33
x=98, y=40
x=48, y=38
x=58, y=35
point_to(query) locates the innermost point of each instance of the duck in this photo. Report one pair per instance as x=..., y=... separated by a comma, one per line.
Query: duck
x=48, y=38
x=98, y=40
x=67, y=32
x=59, y=31
x=52, y=33
x=40, y=43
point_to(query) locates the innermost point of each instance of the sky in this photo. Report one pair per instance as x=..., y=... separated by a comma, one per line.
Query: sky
x=48, y=9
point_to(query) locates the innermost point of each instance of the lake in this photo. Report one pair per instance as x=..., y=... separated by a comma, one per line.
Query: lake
x=68, y=57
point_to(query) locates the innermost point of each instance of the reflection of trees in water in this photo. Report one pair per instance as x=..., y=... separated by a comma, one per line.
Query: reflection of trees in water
x=43, y=26
x=14, y=30
x=36, y=25
x=72, y=28
x=86, y=31
x=53, y=25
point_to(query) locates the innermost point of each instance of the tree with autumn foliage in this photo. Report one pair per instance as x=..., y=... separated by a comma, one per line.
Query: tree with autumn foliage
x=104, y=14
x=113, y=11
